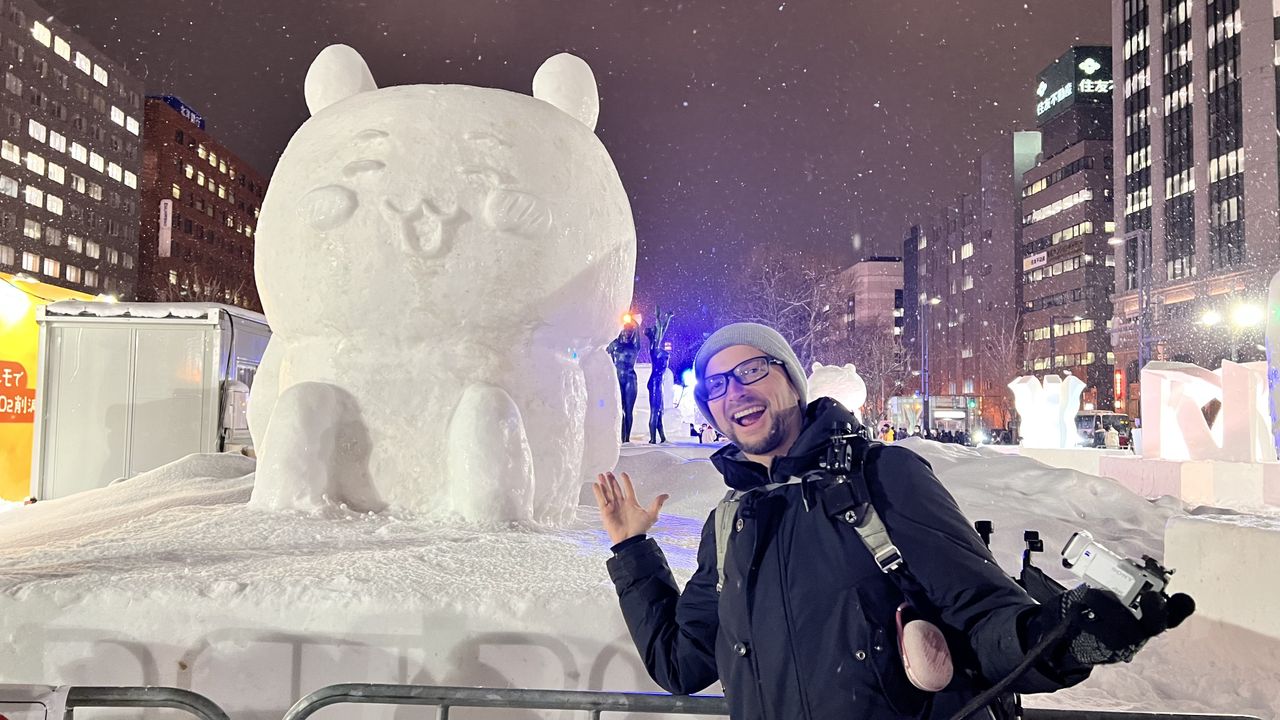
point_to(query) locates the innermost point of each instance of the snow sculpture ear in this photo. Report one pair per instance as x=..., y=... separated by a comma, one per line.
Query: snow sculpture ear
x=337, y=73
x=567, y=82
x=816, y=366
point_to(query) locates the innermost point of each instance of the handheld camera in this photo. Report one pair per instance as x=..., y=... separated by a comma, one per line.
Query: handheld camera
x=1100, y=568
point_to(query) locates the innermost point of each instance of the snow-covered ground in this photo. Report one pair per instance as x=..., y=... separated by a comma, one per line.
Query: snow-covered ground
x=169, y=578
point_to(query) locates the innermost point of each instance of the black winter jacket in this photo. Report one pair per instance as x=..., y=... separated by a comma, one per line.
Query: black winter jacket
x=805, y=624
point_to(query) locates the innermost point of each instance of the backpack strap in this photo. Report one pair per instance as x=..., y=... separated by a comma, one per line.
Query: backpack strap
x=867, y=521
x=726, y=515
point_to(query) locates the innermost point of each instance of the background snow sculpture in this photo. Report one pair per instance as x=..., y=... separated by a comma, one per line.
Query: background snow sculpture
x=1192, y=413
x=840, y=383
x=1048, y=410
x=1273, y=357
x=442, y=266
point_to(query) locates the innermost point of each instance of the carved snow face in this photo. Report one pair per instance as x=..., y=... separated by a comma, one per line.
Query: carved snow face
x=438, y=205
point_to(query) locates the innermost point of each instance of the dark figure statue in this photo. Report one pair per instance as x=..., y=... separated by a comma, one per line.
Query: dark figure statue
x=624, y=350
x=659, y=356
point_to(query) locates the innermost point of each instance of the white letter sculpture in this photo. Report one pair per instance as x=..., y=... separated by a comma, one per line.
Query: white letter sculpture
x=1174, y=426
x=1273, y=356
x=842, y=384
x=441, y=266
x=1048, y=410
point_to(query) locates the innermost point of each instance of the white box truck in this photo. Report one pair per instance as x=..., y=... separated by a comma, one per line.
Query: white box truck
x=123, y=388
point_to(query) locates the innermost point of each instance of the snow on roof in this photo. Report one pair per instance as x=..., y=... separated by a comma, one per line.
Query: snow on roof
x=187, y=310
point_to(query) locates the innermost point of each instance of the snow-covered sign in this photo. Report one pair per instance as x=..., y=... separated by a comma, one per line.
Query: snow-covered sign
x=441, y=266
x=1048, y=410
x=1192, y=413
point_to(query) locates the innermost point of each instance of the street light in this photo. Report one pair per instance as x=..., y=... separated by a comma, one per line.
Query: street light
x=1243, y=316
x=924, y=360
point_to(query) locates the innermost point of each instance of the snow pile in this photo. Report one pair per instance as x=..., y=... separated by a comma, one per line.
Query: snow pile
x=171, y=578
x=189, y=310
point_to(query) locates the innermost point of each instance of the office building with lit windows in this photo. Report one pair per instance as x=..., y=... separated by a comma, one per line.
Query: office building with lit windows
x=69, y=157
x=200, y=210
x=864, y=297
x=1196, y=184
x=1066, y=259
x=964, y=273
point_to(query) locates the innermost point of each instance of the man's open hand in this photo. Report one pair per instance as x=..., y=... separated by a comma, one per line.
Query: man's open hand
x=621, y=515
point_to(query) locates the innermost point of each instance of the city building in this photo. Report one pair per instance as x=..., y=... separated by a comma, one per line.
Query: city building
x=967, y=301
x=200, y=209
x=69, y=157
x=1197, y=198
x=1067, y=273
x=864, y=297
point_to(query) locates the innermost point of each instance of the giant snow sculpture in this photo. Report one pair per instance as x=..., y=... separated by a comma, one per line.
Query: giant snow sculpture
x=441, y=266
x=1192, y=413
x=840, y=383
x=1048, y=410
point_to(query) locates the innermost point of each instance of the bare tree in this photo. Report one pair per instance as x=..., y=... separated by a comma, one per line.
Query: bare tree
x=883, y=364
x=1002, y=358
x=788, y=295
x=200, y=288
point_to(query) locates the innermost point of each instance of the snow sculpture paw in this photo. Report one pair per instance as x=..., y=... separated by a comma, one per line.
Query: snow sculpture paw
x=440, y=257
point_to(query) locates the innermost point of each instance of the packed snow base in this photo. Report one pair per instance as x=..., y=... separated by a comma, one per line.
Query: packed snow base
x=170, y=578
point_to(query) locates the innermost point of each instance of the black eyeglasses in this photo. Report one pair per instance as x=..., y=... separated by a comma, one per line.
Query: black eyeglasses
x=747, y=372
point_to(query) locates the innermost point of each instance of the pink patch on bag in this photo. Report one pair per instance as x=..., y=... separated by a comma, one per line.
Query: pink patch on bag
x=925, y=655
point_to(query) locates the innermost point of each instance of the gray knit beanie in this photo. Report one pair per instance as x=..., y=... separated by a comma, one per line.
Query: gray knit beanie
x=766, y=340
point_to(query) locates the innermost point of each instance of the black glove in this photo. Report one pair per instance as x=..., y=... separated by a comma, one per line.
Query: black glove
x=1102, y=630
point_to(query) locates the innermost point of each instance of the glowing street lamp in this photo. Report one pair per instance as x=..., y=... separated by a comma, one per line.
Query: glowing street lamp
x=1247, y=315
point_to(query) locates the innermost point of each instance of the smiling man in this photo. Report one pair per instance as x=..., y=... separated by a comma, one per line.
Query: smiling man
x=790, y=609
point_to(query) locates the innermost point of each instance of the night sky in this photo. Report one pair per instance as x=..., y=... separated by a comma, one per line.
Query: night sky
x=822, y=126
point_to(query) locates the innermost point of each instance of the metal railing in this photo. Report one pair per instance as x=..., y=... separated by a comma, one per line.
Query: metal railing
x=144, y=697
x=446, y=698
x=596, y=703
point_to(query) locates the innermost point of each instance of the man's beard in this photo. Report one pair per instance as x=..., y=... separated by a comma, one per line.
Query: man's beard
x=768, y=443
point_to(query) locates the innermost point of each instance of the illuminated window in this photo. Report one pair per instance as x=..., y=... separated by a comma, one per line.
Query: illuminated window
x=188, y=171
x=77, y=183
x=100, y=75
x=79, y=152
x=91, y=278
x=200, y=178
x=130, y=180
x=92, y=249
x=117, y=116
x=8, y=186
x=175, y=191
x=42, y=34
x=202, y=152
x=37, y=130
x=83, y=63
x=31, y=229
x=97, y=162
x=52, y=267
x=30, y=262
x=173, y=277
x=213, y=160
x=6, y=255
x=58, y=141
x=73, y=273
x=57, y=173
x=10, y=152
x=62, y=49
x=34, y=195
x=53, y=204
x=131, y=125
x=222, y=192
x=35, y=163
x=115, y=172
x=95, y=191
x=222, y=166
x=966, y=250
x=75, y=243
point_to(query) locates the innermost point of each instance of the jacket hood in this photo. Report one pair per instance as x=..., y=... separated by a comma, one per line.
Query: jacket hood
x=816, y=429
